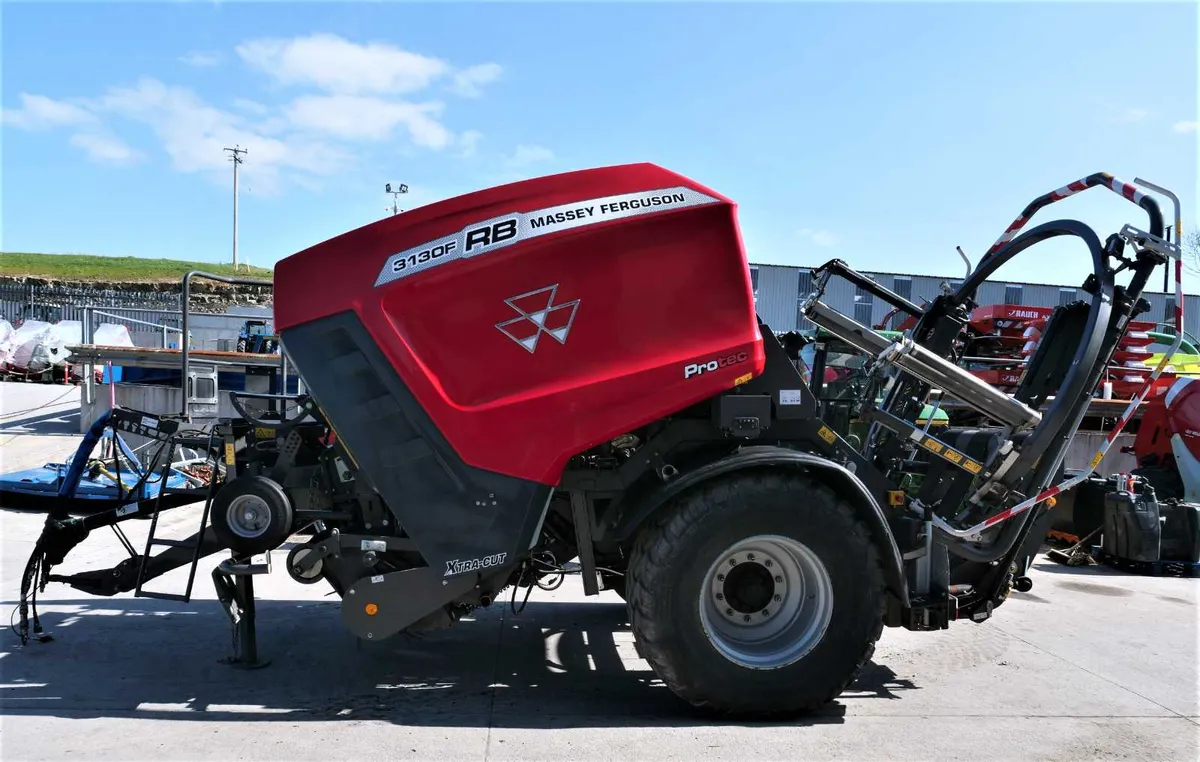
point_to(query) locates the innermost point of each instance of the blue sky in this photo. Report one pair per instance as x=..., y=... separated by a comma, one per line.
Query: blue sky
x=883, y=134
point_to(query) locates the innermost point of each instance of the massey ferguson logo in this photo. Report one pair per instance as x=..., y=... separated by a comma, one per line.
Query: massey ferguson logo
x=698, y=368
x=538, y=316
x=475, y=564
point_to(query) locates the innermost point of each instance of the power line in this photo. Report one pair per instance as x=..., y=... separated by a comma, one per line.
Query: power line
x=236, y=157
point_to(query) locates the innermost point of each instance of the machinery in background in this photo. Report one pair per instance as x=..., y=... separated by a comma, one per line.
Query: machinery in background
x=1147, y=520
x=258, y=338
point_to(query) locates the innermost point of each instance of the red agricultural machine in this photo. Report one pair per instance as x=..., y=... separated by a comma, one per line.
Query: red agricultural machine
x=571, y=367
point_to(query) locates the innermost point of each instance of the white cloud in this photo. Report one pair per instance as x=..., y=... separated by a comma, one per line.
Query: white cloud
x=335, y=64
x=1186, y=127
x=468, y=142
x=194, y=134
x=38, y=111
x=821, y=238
x=1131, y=116
x=367, y=118
x=105, y=150
x=254, y=107
x=526, y=155
x=349, y=94
x=469, y=81
x=201, y=59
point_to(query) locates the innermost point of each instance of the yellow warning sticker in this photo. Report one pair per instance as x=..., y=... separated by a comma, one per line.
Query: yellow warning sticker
x=229, y=459
x=1096, y=460
x=932, y=445
x=895, y=497
x=954, y=457
x=742, y=379
x=972, y=466
x=827, y=434
x=264, y=432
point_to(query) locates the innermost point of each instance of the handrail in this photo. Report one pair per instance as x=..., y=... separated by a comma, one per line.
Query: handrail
x=161, y=326
x=185, y=300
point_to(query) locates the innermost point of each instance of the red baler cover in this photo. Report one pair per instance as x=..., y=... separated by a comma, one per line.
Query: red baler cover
x=537, y=319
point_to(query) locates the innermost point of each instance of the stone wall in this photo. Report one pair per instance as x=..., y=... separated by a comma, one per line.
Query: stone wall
x=212, y=306
x=44, y=299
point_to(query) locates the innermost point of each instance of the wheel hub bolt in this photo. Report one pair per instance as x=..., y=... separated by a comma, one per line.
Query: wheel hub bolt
x=733, y=562
x=768, y=563
x=778, y=598
x=750, y=556
x=728, y=612
x=746, y=618
x=766, y=612
x=720, y=597
x=720, y=578
x=778, y=579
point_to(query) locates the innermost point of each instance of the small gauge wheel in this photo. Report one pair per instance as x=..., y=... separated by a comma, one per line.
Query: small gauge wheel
x=251, y=514
x=310, y=577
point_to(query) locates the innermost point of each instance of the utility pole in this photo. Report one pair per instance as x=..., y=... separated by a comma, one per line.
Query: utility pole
x=401, y=188
x=236, y=154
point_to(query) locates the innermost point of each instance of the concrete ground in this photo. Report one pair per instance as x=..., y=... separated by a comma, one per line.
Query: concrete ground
x=1092, y=664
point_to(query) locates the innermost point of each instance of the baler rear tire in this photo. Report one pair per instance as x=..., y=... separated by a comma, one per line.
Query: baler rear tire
x=671, y=570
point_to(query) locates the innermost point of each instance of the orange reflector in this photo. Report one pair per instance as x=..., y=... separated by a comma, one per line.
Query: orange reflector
x=1051, y=502
x=895, y=497
x=372, y=609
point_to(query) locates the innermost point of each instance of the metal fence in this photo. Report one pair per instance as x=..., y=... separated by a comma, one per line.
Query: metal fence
x=153, y=317
x=52, y=303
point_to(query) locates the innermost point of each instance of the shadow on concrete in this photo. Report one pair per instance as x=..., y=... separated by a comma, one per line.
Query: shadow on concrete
x=60, y=424
x=555, y=665
x=1045, y=565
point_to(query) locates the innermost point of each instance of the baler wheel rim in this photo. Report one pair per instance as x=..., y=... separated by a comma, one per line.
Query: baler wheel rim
x=766, y=602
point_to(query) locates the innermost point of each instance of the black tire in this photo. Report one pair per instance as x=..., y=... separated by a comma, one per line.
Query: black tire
x=273, y=512
x=315, y=574
x=673, y=557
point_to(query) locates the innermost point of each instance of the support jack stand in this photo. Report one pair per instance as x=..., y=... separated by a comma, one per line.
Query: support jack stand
x=234, y=580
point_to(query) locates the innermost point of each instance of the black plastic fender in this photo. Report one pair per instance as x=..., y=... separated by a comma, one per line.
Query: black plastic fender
x=836, y=475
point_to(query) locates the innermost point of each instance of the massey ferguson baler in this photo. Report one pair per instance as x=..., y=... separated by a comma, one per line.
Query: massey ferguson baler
x=572, y=367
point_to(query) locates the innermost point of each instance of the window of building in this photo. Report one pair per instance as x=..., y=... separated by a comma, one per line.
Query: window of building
x=902, y=285
x=804, y=288
x=864, y=305
x=1169, y=311
x=804, y=285
x=1066, y=295
x=754, y=279
x=1012, y=294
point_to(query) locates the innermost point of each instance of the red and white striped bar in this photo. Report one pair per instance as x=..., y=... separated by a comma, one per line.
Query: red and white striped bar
x=1133, y=194
x=1126, y=190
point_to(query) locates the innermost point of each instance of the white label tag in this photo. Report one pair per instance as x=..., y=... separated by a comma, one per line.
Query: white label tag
x=376, y=579
x=125, y=510
x=789, y=397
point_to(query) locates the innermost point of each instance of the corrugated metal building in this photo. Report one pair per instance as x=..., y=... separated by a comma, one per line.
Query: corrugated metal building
x=779, y=289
